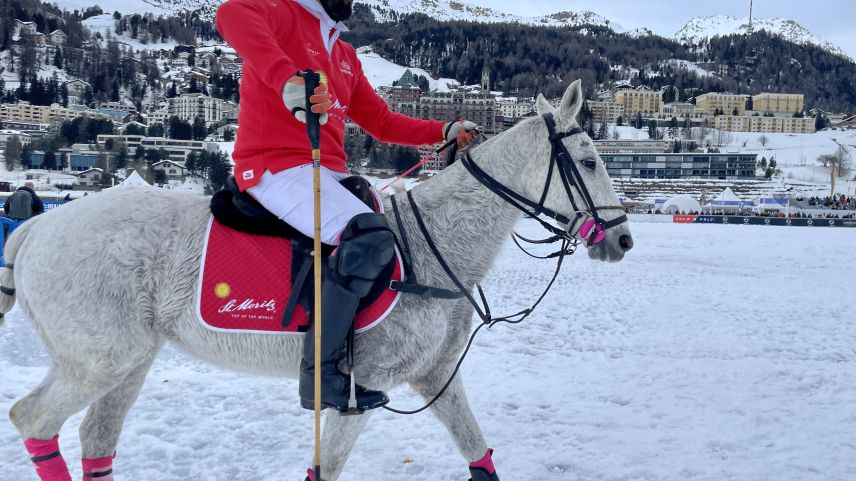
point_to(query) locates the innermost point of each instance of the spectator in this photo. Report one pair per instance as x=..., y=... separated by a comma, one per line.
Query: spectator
x=24, y=203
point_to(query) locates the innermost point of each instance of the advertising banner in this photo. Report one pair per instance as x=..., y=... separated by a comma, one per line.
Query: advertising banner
x=755, y=220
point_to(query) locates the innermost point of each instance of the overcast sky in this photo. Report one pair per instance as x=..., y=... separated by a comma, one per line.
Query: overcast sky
x=831, y=20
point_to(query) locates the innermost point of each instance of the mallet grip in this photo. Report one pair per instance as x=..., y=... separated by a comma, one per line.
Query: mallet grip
x=312, y=80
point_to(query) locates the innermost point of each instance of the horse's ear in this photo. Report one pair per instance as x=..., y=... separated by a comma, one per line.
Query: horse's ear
x=572, y=101
x=544, y=107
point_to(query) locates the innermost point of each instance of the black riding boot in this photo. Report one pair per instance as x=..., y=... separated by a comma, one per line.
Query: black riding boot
x=366, y=248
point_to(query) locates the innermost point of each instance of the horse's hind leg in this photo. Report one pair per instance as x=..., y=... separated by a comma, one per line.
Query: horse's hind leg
x=100, y=429
x=39, y=415
x=454, y=412
x=67, y=389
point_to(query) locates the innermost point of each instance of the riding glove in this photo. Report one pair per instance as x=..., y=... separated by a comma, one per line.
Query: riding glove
x=294, y=97
x=463, y=131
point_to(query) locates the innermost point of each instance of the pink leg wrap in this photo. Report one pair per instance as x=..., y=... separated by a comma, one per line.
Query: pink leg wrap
x=310, y=474
x=100, y=469
x=49, y=463
x=485, y=463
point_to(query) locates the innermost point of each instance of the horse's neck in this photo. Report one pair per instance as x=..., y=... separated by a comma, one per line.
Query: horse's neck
x=467, y=221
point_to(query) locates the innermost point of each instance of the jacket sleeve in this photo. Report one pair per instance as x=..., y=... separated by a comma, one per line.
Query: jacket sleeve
x=372, y=113
x=38, y=205
x=250, y=27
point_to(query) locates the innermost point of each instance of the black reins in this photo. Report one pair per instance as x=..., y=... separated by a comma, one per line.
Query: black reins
x=570, y=176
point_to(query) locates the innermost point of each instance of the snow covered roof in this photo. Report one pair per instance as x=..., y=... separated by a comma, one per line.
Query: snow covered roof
x=681, y=203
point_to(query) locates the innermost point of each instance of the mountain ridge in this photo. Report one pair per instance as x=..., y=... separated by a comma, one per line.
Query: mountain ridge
x=703, y=28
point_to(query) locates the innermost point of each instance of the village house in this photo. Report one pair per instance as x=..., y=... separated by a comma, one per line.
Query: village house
x=90, y=177
x=172, y=170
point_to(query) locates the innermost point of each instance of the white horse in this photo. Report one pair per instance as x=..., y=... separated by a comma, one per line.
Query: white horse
x=106, y=283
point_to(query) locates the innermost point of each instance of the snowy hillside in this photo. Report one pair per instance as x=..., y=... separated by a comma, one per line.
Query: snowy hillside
x=381, y=72
x=700, y=28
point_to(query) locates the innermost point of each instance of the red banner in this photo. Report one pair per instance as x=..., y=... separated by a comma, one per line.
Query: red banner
x=684, y=219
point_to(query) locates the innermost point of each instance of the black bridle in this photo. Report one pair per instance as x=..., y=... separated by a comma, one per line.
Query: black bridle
x=561, y=160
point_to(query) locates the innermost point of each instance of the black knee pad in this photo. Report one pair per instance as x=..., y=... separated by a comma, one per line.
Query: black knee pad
x=365, y=250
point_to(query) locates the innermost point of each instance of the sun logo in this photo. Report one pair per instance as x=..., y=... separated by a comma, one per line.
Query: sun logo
x=323, y=80
x=222, y=290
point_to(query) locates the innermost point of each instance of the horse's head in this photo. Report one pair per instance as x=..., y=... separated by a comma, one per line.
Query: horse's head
x=580, y=189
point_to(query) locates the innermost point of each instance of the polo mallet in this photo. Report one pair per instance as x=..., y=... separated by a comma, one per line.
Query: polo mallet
x=313, y=130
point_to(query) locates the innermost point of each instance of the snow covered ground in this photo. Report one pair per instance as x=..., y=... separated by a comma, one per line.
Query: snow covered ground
x=710, y=353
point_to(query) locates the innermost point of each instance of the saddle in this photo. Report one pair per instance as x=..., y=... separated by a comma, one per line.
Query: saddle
x=241, y=212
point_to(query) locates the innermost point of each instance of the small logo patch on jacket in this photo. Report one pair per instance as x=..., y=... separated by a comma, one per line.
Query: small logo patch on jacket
x=248, y=174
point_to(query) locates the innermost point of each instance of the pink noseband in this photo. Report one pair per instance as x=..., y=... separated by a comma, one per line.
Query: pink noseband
x=592, y=232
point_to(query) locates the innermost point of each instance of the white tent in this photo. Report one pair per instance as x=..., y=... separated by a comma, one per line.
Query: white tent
x=679, y=204
x=134, y=180
x=727, y=201
x=767, y=204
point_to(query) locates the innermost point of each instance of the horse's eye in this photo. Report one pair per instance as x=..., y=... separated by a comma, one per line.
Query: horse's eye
x=591, y=164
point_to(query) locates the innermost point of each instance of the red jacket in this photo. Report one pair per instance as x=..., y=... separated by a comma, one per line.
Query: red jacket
x=276, y=39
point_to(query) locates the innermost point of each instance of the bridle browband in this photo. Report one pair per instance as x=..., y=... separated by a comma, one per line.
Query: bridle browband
x=592, y=232
x=561, y=160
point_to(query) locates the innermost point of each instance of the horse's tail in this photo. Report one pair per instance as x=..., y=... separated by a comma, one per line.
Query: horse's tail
x=7, y=278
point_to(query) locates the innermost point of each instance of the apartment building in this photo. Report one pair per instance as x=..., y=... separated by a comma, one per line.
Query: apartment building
x=786, y=125
x=640, y=101
x=778, y=103
x=606, y=112
x=709, y=103
x=212, y=110
x=42, y=114
x=513, y=108
x=178, y=150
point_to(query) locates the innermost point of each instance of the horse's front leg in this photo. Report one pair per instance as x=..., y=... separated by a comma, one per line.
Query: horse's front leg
x=454, y=412
x=339, y=436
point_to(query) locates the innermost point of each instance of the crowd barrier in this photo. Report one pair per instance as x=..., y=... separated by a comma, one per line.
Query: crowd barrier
x=759, y=220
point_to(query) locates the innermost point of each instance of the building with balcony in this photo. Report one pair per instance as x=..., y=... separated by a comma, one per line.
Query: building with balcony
x=778, y=103
x=712, y=102
x=783, y=125
x=606, y=112
x=640, y=101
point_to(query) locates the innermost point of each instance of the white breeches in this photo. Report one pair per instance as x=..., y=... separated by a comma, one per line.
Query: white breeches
x=288, y=195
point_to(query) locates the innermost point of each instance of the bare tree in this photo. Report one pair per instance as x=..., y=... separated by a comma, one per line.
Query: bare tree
x=763, y=140
x=13, y=152
x=840, y=160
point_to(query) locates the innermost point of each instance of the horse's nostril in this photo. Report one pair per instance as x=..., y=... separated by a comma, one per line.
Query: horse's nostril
x=626, y=242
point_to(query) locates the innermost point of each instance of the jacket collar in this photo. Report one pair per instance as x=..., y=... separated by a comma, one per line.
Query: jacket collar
x=330, y=29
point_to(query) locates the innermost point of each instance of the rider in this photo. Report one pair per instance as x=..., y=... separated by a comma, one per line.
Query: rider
x=277, y=39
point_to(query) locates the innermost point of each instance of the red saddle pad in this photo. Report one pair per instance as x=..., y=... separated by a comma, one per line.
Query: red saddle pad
x=245, y=283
